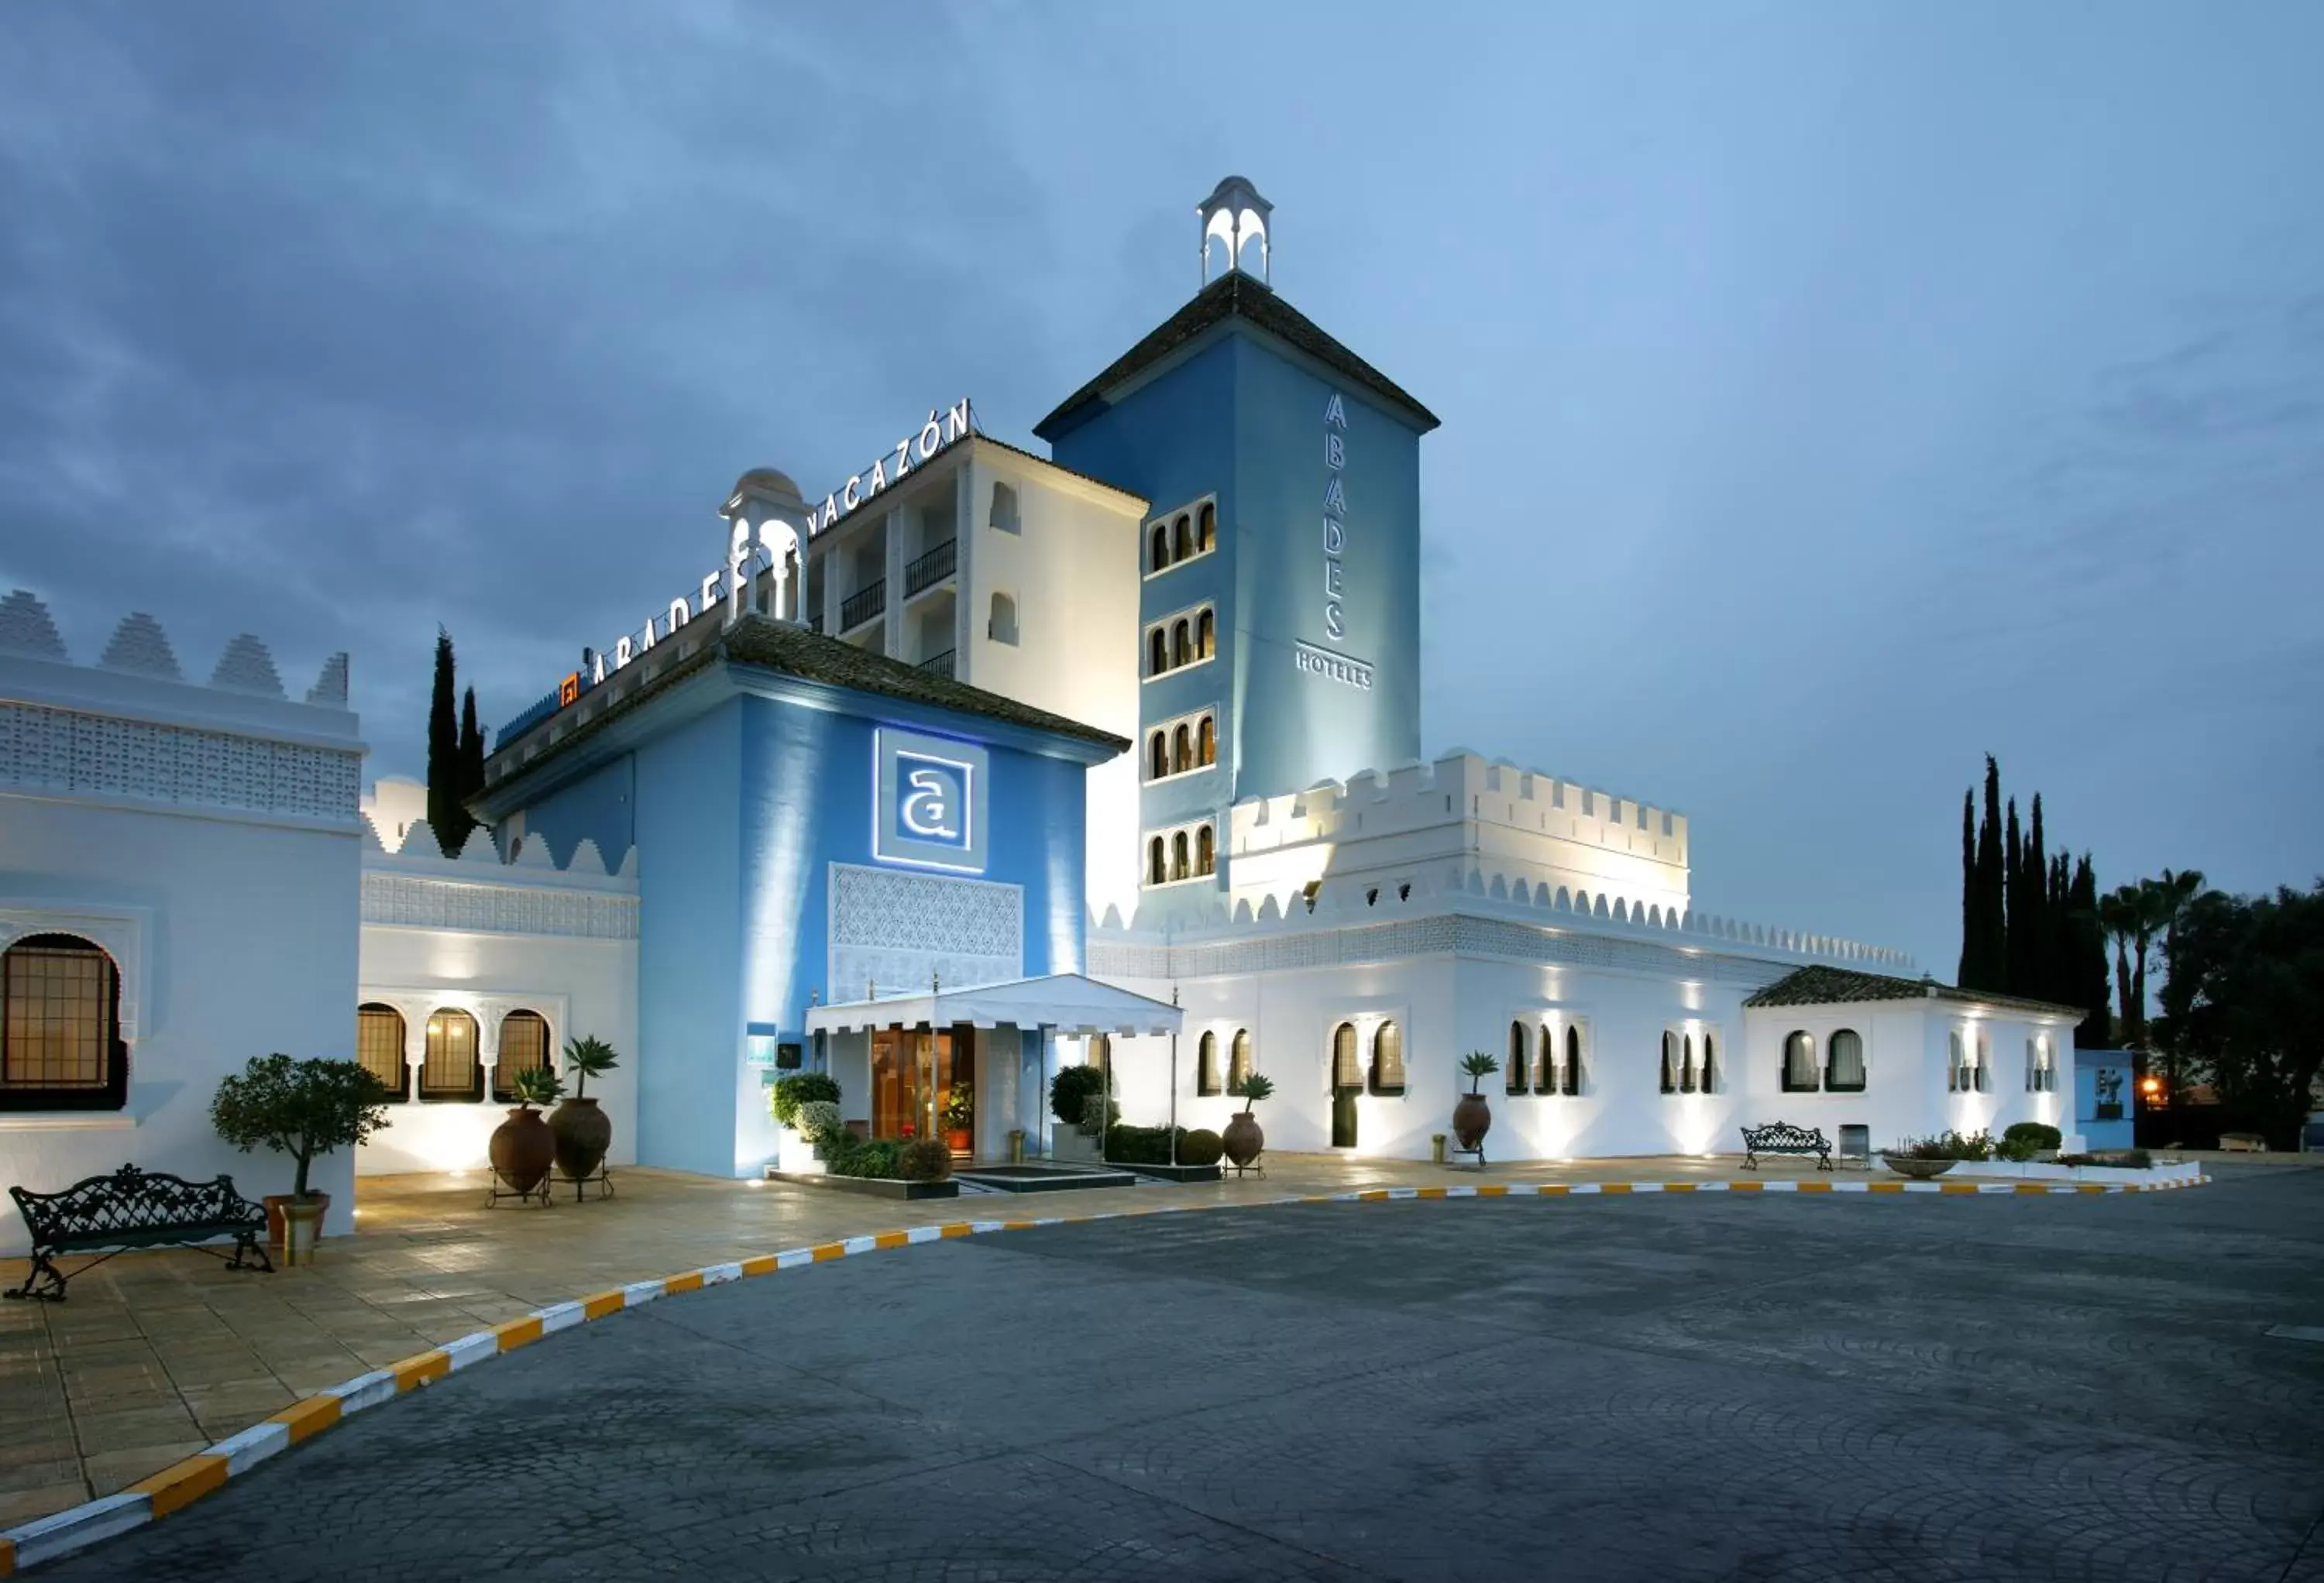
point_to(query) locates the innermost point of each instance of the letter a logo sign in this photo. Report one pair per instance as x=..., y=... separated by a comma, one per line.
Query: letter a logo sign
x=931, y=809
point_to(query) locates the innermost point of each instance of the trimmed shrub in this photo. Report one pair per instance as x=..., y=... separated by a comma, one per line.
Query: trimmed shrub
x=2120, y=1159
x=924, y=1160
x=820, y=1122
x=1071, y=1089
x=2040, y=1135
x=1139, y=1146
x=1097, y=1114
x=800, y=1088
x=1201, y=1147
x=2017, y=1150
x=881, y=1158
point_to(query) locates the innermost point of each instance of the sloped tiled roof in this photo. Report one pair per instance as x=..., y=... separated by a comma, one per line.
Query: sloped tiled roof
x=1835, y=986
x=1235, y=295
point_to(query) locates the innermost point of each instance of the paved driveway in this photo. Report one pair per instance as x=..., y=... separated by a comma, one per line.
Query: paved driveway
x=1707, y=1386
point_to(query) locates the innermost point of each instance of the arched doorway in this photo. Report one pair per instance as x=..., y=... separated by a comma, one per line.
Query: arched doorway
x=1347, y=1082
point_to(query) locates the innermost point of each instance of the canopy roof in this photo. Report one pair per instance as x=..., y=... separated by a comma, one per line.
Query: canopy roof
x=1066, y=1002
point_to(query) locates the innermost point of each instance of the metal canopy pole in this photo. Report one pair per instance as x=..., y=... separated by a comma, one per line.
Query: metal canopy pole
x=1173, y=1086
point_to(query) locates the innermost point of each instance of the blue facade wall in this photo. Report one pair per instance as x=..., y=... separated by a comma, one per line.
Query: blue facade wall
x=1243, y=420
x=600, y=807
x=689, y=917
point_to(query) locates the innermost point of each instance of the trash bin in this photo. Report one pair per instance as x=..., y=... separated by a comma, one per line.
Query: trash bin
x=1016, y=1145
x=1436, y=1147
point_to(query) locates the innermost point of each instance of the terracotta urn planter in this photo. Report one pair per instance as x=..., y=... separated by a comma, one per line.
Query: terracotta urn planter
x=523, y=1149
x=1919, y=1170
x=1472, y=1117
x=302, y=1227
x=1243, y=1139
x=276, y=1223
x=583, y=1133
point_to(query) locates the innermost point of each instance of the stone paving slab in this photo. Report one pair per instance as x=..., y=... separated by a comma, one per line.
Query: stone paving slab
x=157, y=1355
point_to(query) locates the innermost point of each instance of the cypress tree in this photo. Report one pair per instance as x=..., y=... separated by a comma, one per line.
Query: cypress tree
x=2093, y=988
x=1992, y=919
x=444, y=814
x=2037, y=953
x=2013, y=890
x=472, y=754
x=1970, y=947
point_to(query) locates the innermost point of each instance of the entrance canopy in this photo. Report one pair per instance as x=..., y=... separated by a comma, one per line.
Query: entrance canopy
x=1066, y=1002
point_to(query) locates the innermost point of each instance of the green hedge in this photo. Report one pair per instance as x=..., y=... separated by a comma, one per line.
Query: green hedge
x=2040, y=1133
x=1201, y=1147
x=799, y=1088
x=1071, y=1090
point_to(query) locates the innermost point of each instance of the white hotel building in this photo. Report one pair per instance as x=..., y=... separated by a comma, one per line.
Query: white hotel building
x=1173, y=667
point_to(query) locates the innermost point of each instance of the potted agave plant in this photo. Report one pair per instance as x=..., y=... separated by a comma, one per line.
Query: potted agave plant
x=523, y=1149
x=583, y=1132
x=302, y=1109
x=1243, y=1140
x=1472, y=1117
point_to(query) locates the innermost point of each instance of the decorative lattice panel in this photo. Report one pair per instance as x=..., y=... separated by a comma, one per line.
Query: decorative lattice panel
x=898, y=930
x=409, y=901
x=67, y=752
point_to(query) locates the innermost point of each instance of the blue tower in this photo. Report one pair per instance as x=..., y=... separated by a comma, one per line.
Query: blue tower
x=1280, y=612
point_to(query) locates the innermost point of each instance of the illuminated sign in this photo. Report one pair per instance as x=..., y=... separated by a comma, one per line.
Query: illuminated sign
x=913, y=450
x=929, y=807
x=1313, y=658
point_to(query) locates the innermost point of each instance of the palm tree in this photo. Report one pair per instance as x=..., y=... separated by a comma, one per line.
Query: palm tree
x=2174, y=893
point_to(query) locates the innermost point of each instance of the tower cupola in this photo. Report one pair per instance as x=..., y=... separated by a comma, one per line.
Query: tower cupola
x=1238, y=217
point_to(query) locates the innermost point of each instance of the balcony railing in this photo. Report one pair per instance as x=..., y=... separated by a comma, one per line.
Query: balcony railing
x=931, y=569
x=864, y=605
x=938, y=665
x=815, y=620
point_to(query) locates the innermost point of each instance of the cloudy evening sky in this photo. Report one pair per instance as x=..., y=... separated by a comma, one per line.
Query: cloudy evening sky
x=1833, y=393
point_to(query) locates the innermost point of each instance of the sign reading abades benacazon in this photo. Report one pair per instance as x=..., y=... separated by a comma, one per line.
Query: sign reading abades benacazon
x=929, y=810
x=1313, y=659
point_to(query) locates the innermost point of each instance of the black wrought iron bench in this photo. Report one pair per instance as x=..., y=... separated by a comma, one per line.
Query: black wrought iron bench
x=1781, y=1138
x=133, y=1209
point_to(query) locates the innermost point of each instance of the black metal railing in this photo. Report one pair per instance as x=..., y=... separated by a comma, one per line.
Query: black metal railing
x=814, y=622
x=931, y=569
x=864, y=605
x=938, y=665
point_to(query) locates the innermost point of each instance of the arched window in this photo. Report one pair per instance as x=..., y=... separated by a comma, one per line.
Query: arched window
x=1157, y=757
x=1388, y=1059
x=1574, y=1059
x=379, y=1047
x=1670, y=1061
x=1206, y=1065
x=1206, y=634
x=1981, y=1074
x=1160, y=556
x=1206, y=534
x=1182, y=749
x=451, y=1070
x=1346, y=1076
x=61, y=1045
x=1519, y=1064
x=1206, y=740
x=1845, y=1074
x=1206, y=860
x=1181, y=644
x=1799, y=1064
x=1709, y=1064
x=1156, y=873
x=1686, y=1064
x=1178, y=855
x=524, y=1047
x=1157, y=653
x=1239, y=1059
x=1956, y=1064
x=1003, y=626
x=1182, y=538
x=1545, y=1076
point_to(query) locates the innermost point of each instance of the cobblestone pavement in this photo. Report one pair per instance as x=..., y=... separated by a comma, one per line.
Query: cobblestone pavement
x=1777, y=1387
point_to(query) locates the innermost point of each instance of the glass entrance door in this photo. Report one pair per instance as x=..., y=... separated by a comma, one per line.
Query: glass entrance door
x=916, y=1073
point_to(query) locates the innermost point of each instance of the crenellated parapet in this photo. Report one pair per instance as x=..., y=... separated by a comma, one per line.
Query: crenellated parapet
x=131, y=730
x=1470, y=891
x=480, y=892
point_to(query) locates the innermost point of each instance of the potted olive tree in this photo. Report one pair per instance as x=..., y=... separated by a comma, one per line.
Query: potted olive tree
x=1472, y=1117
x=1243, y=1139
x=301, y=1108
x=582, y=1131
x=523, y=1148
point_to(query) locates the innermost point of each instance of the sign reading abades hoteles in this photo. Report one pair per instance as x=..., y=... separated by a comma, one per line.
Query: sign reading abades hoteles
x=928, y=807
x=749, y=547
x=1313, y=659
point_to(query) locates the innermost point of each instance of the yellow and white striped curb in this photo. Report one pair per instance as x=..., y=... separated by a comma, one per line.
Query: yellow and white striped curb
x=46, y=1539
